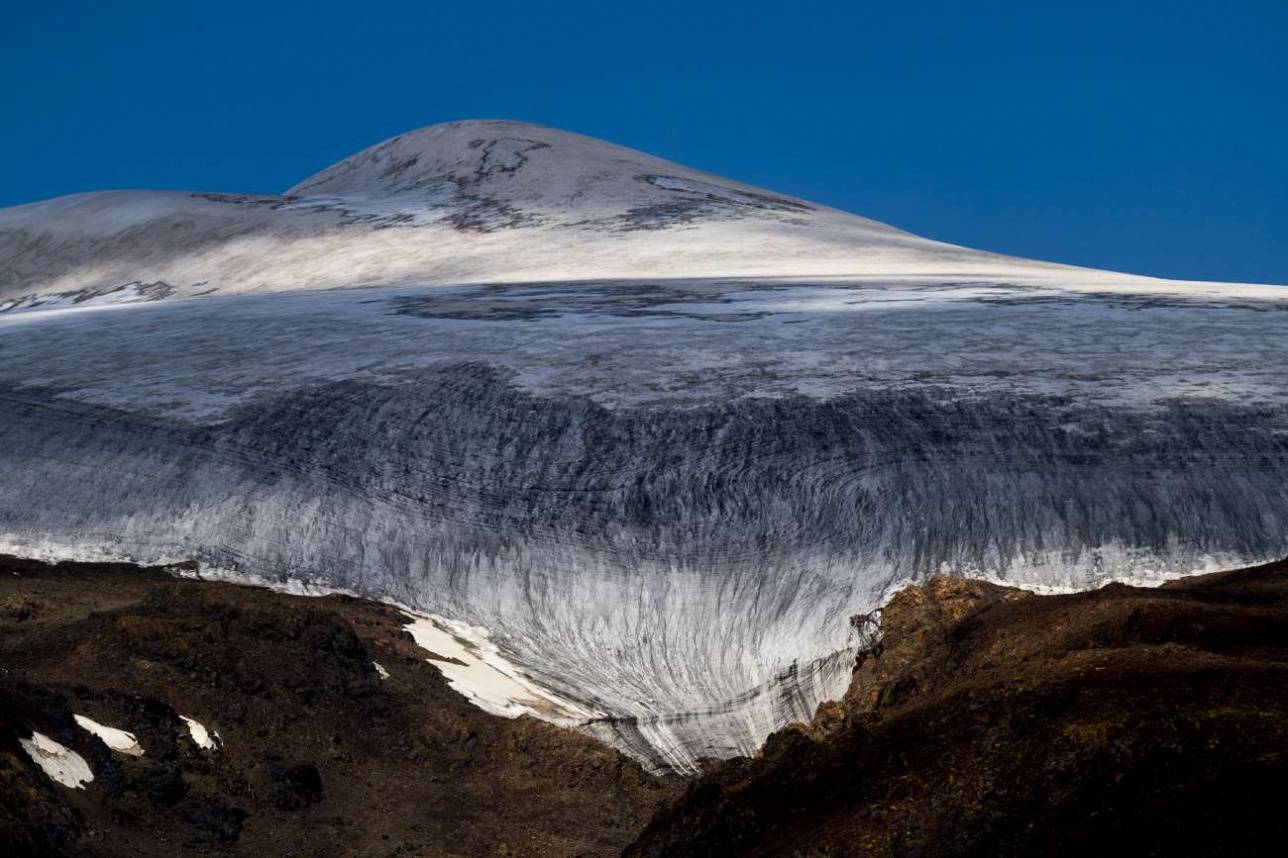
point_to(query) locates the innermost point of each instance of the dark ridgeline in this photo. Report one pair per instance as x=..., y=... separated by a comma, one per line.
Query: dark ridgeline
x=995, y=722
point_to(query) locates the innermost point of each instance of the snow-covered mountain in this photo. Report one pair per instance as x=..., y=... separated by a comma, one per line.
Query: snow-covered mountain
x=646, y=436
x=465, y=202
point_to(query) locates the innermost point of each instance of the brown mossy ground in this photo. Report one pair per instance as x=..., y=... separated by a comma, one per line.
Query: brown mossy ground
x=995, y=722
x=987, y=722
x=319, y=756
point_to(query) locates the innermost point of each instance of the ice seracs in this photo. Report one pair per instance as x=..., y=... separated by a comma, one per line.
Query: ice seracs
x=632, y=442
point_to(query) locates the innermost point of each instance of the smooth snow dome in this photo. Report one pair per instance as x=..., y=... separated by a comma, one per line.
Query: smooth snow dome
x=117, y=740
x=60, y=763
x=640, y=446
x=464, y=202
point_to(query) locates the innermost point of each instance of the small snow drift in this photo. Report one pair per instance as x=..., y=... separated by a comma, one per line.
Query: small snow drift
x=205, y=739
x=117, y=740
x=62, y=764
x=475, y=668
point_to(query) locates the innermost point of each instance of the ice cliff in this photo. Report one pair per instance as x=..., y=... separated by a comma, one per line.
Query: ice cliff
x=663, y=436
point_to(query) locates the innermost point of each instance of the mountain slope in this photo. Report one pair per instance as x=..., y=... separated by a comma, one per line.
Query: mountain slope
x=645, y=438
x=327, y=731
x=990, y=721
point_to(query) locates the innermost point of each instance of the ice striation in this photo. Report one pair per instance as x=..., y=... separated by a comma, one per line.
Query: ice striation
x=649, y=445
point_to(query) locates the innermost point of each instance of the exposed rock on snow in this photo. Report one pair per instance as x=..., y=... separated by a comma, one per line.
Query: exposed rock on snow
x=641, y=439
x=61, y=763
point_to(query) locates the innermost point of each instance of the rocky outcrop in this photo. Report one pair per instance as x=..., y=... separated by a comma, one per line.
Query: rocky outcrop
x=989, y=721
x=316, y=753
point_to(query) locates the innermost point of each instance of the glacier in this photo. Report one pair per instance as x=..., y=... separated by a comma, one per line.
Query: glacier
x=666, y=440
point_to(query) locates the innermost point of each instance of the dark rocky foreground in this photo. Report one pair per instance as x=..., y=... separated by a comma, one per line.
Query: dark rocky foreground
x=995, y=722
x=988, y=721
x=319, y=757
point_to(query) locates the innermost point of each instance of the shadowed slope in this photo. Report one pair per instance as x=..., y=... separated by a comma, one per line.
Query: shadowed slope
x=316, y=752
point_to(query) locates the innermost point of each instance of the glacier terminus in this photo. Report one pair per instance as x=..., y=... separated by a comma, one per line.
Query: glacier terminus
x=656, y=442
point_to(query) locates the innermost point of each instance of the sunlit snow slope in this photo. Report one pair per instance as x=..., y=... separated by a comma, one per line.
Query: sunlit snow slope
x=653, y=436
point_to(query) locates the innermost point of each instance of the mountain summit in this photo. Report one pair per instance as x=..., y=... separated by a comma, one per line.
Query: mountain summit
x=514, y=175
x=522, y=162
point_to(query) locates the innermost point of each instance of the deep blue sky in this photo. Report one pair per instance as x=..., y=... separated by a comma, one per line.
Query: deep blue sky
x=1148, y=137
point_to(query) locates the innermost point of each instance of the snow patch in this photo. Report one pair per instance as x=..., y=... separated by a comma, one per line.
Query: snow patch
x=485, y=677
x=474, y=666
x=61, y=763
x=207, y=740
x=117, y=740
x=384, y=674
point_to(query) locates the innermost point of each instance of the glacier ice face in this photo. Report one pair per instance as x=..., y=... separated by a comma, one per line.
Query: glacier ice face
x=664, y=496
